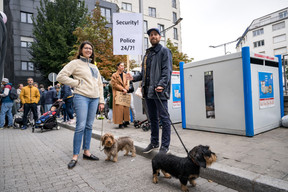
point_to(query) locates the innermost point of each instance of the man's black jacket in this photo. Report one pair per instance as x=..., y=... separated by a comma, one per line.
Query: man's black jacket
x=159, y=62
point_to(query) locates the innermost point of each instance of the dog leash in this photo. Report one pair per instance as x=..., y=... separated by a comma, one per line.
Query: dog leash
x=102, y=128
x=171, y=122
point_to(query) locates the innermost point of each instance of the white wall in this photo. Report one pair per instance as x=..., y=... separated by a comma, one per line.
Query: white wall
x=1, y=5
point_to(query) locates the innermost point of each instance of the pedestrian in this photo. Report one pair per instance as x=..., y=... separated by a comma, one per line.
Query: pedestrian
x=29, y=96
x=88, y=92
x=7, y=104
x=110, y=113
x=18, y=101
x=50, y=98
x=42, y=98
x=156, y=80
x=119, y=83
x=67, y=97
x=39, y=103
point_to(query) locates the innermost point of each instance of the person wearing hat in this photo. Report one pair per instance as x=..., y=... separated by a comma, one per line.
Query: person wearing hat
x=156, y=82
x=7, y=104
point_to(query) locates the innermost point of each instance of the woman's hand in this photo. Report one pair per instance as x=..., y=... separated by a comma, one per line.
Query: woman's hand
x=101, y=106
x=129, y=76
x=124, y=91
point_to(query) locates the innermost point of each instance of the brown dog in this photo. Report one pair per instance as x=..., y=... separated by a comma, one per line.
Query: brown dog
x=112, y=146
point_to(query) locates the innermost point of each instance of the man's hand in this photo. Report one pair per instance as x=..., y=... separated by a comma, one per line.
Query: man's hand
x=129, y=76
x=159, y=89
x=101, y=106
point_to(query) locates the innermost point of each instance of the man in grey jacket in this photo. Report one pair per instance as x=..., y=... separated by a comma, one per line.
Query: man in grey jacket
x=156, y=82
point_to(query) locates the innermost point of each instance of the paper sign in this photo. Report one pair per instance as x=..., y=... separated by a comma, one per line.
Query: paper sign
x=127, y=34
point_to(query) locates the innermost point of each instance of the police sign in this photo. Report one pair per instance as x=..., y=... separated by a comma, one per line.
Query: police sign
x=127, y=33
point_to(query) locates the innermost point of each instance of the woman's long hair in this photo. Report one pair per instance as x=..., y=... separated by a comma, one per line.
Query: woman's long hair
x=81, y=48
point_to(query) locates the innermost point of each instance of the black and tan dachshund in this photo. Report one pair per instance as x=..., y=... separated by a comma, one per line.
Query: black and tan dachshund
x=185, y=169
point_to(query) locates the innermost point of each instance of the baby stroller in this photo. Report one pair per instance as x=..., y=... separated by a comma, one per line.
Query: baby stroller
x=50, y=122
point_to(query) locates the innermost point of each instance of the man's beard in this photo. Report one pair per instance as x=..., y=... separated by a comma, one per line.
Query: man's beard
x=153, y=43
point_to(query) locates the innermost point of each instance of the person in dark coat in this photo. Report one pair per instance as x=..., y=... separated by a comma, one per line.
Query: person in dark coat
x=156, y=75
x=67, y=97
x=51, y=97
x=43, y=92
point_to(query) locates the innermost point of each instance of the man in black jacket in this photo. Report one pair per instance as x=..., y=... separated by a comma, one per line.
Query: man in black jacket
x=156, y=80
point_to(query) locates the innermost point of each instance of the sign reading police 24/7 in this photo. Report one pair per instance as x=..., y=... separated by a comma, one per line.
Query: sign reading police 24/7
x=127, y=33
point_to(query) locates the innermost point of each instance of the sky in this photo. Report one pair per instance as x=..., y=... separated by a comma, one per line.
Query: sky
x=214, y=22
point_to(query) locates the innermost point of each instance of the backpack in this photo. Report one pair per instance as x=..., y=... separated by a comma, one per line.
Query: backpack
x=13, y=93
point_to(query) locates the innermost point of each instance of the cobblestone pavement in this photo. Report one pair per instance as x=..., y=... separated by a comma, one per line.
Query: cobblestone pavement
x=38, y=162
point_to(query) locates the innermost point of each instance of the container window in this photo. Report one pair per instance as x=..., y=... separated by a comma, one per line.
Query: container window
x=209, y=95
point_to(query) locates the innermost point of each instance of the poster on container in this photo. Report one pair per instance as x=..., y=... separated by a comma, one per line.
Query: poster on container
x=127, y=34
x=176, y=96
x=266, y=90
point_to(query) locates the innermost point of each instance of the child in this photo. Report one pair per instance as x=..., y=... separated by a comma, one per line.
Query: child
x=47, y=115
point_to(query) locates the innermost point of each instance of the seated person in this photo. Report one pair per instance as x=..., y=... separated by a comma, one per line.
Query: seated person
x=47, y=115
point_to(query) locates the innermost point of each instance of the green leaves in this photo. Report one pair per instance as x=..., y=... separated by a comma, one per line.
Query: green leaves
x=177, y=56
x=53, y=33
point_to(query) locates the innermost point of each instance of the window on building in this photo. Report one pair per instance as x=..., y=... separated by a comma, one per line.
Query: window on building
x=280, y=51
x=26, y=41
x=105, y=12
x=283, y=14
x=26, y=17
x=127, y=6
x=176, y=45
x=27, y=66
x=258, y=32
x=174, y=3
x=175, y=33
x=145, y=27
x=161, y=28
x=278, y=26
x=280, y=38
x=258, y=43
x=146, y=45
x=152, y=12
x=174, y=17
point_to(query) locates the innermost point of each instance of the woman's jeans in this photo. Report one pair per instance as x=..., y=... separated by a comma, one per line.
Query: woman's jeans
x=85, y=109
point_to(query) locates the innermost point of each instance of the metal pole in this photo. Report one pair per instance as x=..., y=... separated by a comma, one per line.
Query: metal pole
x=141, y=11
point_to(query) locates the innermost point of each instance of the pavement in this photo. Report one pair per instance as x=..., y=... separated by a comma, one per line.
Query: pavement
x=256, y=163
x=38, y=162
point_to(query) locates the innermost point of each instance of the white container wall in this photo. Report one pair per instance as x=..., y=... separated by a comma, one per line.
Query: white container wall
x=236, y=94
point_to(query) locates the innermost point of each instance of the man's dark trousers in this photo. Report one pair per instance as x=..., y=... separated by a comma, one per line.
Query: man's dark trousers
x=27, y=107
x=156, y=110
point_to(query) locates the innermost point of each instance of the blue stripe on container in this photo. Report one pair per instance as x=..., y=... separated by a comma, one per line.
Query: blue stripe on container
x=183, y=113
x=281, y=86
x=248, y=107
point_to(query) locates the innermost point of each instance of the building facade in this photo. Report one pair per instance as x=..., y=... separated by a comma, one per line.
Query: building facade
x=18, y=66
x=267, y=34
x=161, y=13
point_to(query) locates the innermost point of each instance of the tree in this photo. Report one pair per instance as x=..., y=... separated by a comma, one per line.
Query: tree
x=177, y=56
x=53, y=33
x=99, y=35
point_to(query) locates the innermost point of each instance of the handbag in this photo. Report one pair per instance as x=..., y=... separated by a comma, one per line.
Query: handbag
x=138, y=92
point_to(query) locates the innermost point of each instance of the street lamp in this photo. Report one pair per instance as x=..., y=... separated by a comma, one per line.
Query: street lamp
x=176, y=23
x=224, y=44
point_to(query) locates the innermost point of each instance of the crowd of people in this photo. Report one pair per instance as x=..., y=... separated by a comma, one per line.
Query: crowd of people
x=83, y=93
x=34, y=100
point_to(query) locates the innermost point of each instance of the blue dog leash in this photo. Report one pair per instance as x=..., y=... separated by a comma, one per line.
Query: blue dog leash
x=171, y=121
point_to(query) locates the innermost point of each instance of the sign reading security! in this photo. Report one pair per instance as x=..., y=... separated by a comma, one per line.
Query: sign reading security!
x=127, y=33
